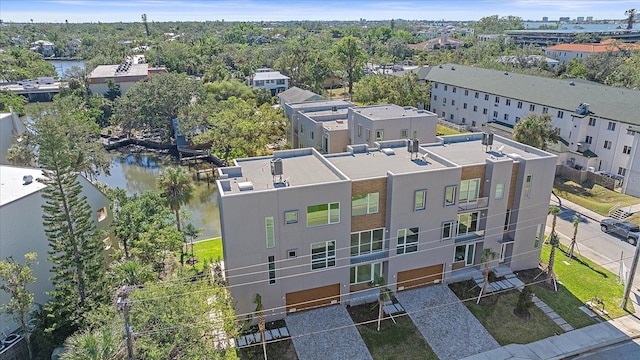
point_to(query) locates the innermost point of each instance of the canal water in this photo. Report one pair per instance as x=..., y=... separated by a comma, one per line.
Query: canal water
x=137, y=173
x=64, y=65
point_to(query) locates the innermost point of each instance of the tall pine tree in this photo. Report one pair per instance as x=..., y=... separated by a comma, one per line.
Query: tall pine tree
x=78, y=264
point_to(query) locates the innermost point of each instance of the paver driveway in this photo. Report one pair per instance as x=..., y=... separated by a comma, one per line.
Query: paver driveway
x=450, y=329
x=326, y=333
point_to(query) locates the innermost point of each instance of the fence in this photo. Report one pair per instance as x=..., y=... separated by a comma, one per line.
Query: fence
x=586, y=177
x=456, y=127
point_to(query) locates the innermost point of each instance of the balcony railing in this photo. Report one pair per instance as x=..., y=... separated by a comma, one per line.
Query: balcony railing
x=378, y=255
x=478, y=203
x=471, y=235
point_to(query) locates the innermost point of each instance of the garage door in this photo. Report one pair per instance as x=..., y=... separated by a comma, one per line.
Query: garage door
x=424, y=276
x=313, y=298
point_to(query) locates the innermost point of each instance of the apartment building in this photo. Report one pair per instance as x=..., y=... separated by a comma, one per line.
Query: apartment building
x=566, y=52
x=595, y=121
x=306, y=230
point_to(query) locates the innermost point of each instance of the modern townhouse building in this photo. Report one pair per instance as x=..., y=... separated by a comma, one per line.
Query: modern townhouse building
x=294, y=110
x=595, y=121
x=306, y=230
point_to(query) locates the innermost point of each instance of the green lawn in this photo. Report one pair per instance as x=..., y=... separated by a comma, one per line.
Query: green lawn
x=597, y=198
x=581, y=280
x=443, y=130
x=495, y=312
x=210, y=249
x=393, y=341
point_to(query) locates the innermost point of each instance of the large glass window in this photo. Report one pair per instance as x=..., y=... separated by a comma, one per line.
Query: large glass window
x=450, y=195
x=420, y=200
x=539, y=234
x=323, y=254
x=271, y=237
x=465, y=252
x=469, y=189
x=323, y=214
x=291, y=217
x=527, y=186
x=499, y=191
x=272, y=269
x=447, y=230
x=467, y=223
x=365, y=273
x=408, y=240
x=364, y=204
x=366, y=242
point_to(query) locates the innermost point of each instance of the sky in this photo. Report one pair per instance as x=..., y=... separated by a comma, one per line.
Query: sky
x=283, y=10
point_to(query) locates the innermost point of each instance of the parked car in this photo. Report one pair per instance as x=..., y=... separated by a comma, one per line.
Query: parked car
x=628, y=230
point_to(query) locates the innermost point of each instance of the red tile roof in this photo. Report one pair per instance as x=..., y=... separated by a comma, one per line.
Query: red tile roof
x=603, y=46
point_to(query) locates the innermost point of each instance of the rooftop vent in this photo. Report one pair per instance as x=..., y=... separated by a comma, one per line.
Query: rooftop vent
x=572, y=83
x=27, y=179
x=388, y=151
x=245, y=186
x=582, y=109
x=506, y=73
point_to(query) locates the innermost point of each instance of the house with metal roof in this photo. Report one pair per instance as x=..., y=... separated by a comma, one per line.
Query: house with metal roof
x=296, y=95
x=593, y=119
x=271, y=80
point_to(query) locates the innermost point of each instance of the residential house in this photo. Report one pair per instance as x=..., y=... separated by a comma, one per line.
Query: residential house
x=268, y=79
x=593, y=119
x=566, y=52
x=22, y=231
x=440, y=43
x=296, y=95
x=46, y=48
x=306, y=230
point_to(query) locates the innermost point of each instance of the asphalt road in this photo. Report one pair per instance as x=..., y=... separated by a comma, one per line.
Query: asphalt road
x=629, y=350
x=602, y=248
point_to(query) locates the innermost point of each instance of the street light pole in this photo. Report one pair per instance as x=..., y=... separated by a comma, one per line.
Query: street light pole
x=632, y=275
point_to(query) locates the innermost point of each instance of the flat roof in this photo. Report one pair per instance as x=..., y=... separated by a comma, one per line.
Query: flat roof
x=375, y=163
x=108, y=71
x=12, y=186
x=471, y=152
x=321, y=103
x=298, y=170
x=269, y=75
x=389, y=111
x=335, y=125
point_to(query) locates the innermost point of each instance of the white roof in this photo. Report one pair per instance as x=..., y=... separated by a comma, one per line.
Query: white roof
x=271, y=75
x=12, y=185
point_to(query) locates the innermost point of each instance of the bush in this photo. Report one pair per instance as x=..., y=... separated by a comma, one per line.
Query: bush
x=524, y=303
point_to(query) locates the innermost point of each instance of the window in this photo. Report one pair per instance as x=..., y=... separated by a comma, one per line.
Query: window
x=312, y=135
x=495, y=114
x=527, y=186
x=364, y=204
x=622, y=171
x=435, y=97
x=451, y=117
x=560, y=114
x=407, y=240
x=404, y=133
x=497, y=100
x=450, y=195
x=611, y=126
x=447, y=230
x=323, y=214
x=415, y=134
x=378, y=135
x=453, y=102
x=475, y=108
x=539, y=234
x=269, y=227
x=323, y=254
x=607, y=144
x=466, y=93
x=280, y=82
x=454, y=89
x=484, y=111
x=359, y=130
x=499, y=191
x=368, y=134
x=506, y=116
x=292, y=253
x=301, y=129
x=507, y=220
x=436, y=85
x=291, y=217
x=446, y=87
x=545, y=110
x=486, y=97
x=444, y=101
x=477, y=95
x=508, y=102
x=102, y=213
x=588, y=139
x=517, y=119
x=443, y=114
x=367, y=242
x=532, y=107
x=365, y=273
x=469, y=189
x=465, y=253
x=420, y=200
x=467, y=223
x=626, y=150
x=464, y=106
x=592, y=121
x=519, y=104
x=272, y=269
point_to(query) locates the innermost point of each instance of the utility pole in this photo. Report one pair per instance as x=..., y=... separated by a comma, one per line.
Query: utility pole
x=632, y=275
x=122, y=304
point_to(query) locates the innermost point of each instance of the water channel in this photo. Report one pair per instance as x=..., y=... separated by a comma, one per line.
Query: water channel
x=63, y=65
x=137, y=173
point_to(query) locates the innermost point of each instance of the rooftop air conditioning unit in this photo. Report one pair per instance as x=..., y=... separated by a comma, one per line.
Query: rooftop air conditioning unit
x=582, y=147
x=27, y=179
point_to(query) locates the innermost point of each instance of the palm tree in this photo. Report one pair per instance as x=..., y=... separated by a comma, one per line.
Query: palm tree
x=537, y=131
x=554, y=241
x=554, y=210
x=487, y=256
x=257, y=299
x=177, y=189
x=100, y=344
x=576, y=222
x=383, y=296
x=131, y=273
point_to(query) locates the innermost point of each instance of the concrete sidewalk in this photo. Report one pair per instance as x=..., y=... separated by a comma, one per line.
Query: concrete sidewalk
x=569, y=344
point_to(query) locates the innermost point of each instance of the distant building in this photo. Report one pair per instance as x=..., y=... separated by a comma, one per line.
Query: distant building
x=268, y=79
x=564, y=19
x=566, y=52
x=296, y=95
x=43, y=47
x=580, y=19
x=545, y=18
x=589, y=18
x=528, y=61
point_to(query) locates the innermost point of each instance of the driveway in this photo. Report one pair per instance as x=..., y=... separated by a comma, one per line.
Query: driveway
x=326, y=333
x=450, y=329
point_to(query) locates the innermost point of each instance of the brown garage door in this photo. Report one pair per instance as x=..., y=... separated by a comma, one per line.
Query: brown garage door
x=424, y=276
x=313, y=298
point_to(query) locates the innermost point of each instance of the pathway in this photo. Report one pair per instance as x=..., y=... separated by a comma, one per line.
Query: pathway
x=552, y=314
